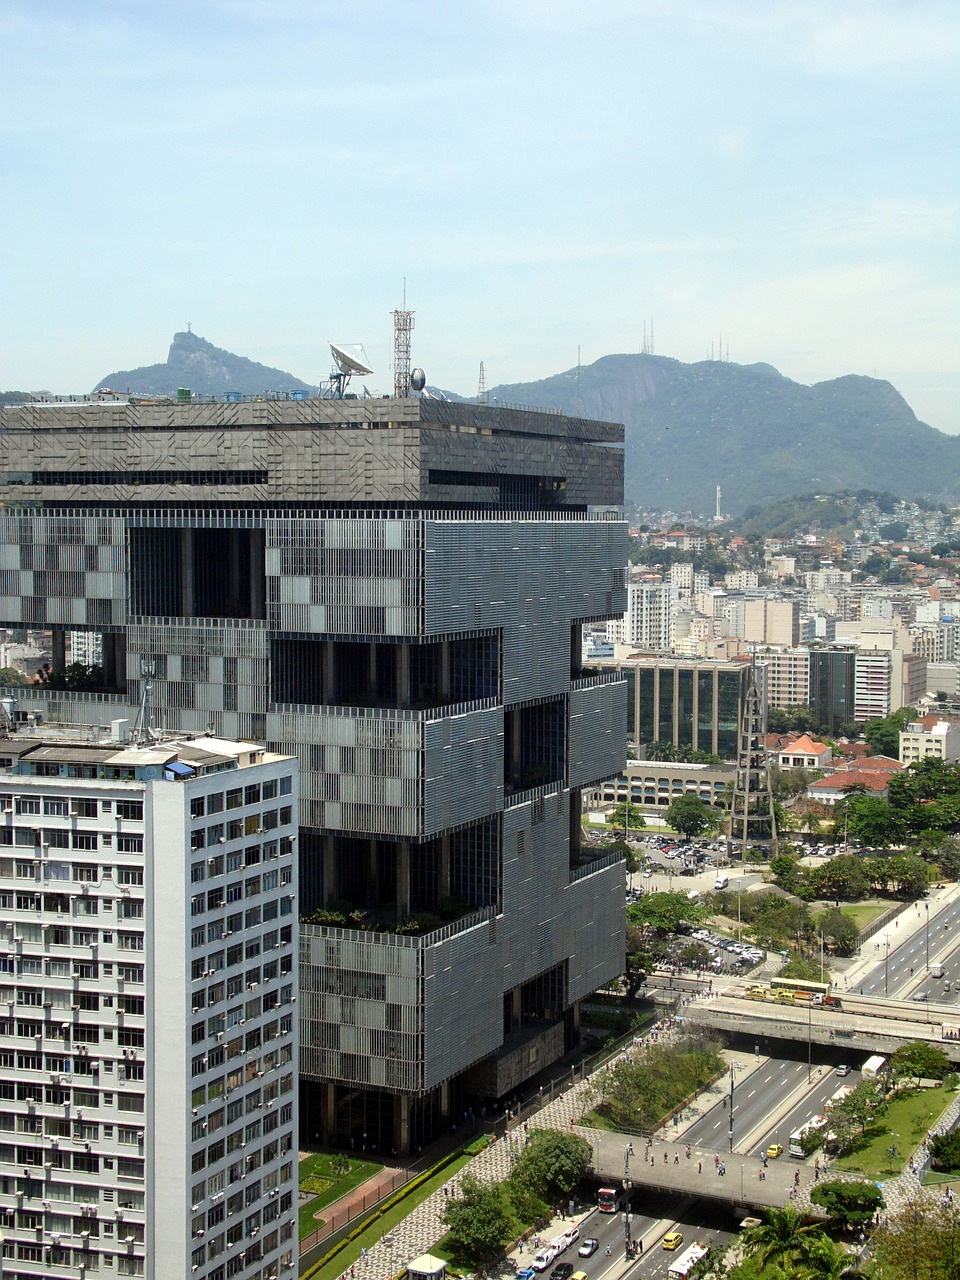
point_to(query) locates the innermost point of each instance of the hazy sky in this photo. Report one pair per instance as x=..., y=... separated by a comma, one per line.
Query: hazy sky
x=544, y=173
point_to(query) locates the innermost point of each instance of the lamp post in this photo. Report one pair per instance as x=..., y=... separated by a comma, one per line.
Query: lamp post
x=927, y=909
x=732, y=1073
x=821, y=955
x=886, y=966
x=809, y=1042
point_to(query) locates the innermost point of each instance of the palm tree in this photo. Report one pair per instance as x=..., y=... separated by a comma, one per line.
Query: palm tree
x=783, y=1238
x=825, y=1261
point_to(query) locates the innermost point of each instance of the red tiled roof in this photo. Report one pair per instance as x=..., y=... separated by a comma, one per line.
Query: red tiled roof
x=870, y=781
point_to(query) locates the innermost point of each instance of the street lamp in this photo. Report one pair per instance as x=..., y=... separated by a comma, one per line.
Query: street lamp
x=886, y=966
x=927, y=909
x=732, y=1073
x=810, y=1041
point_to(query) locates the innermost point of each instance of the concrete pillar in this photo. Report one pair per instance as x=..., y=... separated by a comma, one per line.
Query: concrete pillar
x=58, y=640
x=445, y=1100
x=329, y=671
x=258, y=575
x=188, y=595
x=235, y=574
x=372, y=671
x=403, y=878
x=328, y=1118
x=444, y=673
x=331, y=886
x=403, y=676
x=516, y=1014
x=373, y=875
x=401, y=1125
x=109, y=660
x=443, y=870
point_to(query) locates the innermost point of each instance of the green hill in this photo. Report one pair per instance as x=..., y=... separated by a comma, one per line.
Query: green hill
x=760, y=436
x=195, y=363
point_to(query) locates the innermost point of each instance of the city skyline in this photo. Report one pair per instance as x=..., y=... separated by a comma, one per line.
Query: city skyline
x=773, y=182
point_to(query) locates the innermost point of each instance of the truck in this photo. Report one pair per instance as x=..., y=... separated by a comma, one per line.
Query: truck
x=936, y=970
x=721, y=882
x=681, y=1268
x=873, y=1066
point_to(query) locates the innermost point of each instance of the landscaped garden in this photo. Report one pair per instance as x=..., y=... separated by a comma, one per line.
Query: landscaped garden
x=329, y=1177
x=888, y=1144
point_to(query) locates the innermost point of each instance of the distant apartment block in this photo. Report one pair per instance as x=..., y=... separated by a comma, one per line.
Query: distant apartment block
x=788, y=676
x=930, y=738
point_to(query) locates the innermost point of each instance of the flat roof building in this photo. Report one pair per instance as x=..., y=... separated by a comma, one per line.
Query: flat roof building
x=148, y=1029
x=394, y=591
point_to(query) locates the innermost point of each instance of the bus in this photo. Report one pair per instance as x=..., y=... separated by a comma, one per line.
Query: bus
x=872, y=1067
x=795, y=1143
x=804, y=991
x=681, y=1268
x=611, y=1199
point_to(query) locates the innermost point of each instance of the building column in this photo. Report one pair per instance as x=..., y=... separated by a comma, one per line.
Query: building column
x=331, y=887
x=258, y=575
x=403, y=676
x=373, y=875
x=108, y=659
x=445, y=670
x=445, y=1100
x=443, y=869
x=188, y=606
x=235, y=574
x=403, y=878
x=401, y=1122
x=328, y=1118
x=58, y=641
x=328, y=673
x=372, y=671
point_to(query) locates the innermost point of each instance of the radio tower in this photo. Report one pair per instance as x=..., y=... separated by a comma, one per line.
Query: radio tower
x=751, y=803
x=402, y=329
x=482, y=397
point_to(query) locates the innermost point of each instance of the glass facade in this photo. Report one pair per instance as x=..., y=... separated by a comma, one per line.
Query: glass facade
x=685, y=682
x=665, y=706
x=728, y=712
x=705, y=707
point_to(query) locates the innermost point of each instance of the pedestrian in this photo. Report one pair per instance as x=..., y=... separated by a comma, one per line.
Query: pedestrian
x=716, y=1161
x=607, y=1251
x=676, y=1157
x=796, y=1178
x=687, y=1152
x=664, y=1157
x=363, y=1252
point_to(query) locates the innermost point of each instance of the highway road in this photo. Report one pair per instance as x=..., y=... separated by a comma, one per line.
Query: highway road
x=904, y=969
x=698, y=1221
x=759, y=1095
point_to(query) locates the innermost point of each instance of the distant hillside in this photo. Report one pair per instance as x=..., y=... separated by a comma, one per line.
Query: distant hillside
x=760, y=436
x=195, y=363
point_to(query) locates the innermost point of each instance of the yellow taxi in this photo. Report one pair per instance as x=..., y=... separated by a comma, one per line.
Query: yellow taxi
x=774, y=1150
x=673, y=1240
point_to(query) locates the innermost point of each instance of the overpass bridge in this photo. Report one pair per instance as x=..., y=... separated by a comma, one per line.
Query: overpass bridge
x=668, y=1168
x=864, y=1023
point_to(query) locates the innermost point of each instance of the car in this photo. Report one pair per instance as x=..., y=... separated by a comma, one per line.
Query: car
x=543, y=1258
x=588, y=1247
x=774, y=1150
x=843, y=1069
x=526, y=1273
x=562, y=1271
x=673, y=1240
x=647, y=874
x=571, y=1234
x=919, y=995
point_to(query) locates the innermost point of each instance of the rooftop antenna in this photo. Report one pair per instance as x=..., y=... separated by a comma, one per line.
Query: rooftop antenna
x=349, y=358
x=718, y=503
x=143, y=731
x=402, y=329
x=482, y=394
x=579, y=400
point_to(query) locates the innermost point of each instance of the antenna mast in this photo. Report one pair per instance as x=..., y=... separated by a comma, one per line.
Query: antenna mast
x=402, y=329
x=482, y=397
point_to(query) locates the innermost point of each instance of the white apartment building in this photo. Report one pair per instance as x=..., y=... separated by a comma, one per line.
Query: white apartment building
x=148, y=1029
x=742, y=580
x=885, y=680
x=930, y=739
x=646, y=623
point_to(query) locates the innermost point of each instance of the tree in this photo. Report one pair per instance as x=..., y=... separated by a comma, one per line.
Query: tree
x=849, y=1204
x=843, y=876
x=628, y=816
x=910, y=875
x=840, y=929
x=10, y=676
x=690, y=816
x=479, y=1221
x=945, y=1149
x=883, y=734
x=552, y=1163
x=665, y=911
x=827, y=1261
x=783, y=1238
x=862, y=1106
x=921, y=1059
x=869, y=820
x=921, y=1242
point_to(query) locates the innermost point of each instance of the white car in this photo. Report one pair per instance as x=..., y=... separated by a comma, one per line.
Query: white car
x=571, y=1234
x=543, y=1259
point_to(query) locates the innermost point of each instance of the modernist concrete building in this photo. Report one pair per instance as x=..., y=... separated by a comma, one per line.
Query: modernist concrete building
x=394, y=591
x=148, y=1031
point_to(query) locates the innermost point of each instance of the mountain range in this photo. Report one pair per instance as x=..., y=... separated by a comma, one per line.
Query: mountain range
x=689, y=427
x=756, y=433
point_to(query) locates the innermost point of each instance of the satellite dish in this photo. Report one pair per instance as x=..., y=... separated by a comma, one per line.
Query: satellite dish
x=350, y=358
x=418, y=380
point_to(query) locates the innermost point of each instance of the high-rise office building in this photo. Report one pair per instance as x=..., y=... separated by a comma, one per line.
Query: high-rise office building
x=393, y=591
x=148, y=1032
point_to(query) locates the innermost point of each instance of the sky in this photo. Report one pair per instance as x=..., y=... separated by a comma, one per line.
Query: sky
x=776, y=179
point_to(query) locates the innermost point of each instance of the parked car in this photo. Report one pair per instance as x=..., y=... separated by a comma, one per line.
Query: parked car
x=572, y=1234
x=544, y=1258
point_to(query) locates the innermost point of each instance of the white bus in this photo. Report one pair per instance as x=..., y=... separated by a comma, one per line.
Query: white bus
x=795, y=1143
x=687, y=1261
x=873, y=1066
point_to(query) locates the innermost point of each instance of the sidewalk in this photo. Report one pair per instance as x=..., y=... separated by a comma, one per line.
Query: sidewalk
x=910, y=921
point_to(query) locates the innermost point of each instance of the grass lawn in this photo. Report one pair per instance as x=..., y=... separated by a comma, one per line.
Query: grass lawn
x=320, y=1166
x=862, y=913
x=905, y=1125
x=351, y=1252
